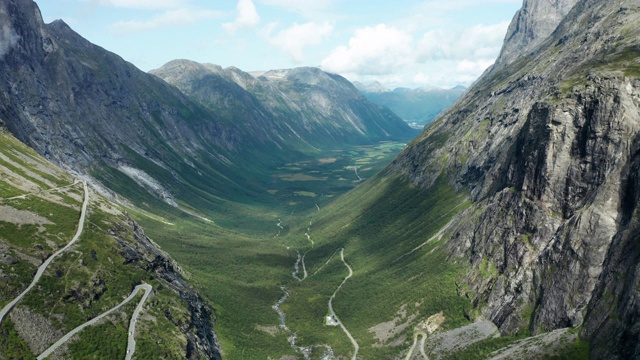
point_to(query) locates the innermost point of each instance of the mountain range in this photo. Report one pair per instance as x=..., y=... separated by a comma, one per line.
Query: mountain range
x=418, y=106
x=295, y=105
x=136, y=127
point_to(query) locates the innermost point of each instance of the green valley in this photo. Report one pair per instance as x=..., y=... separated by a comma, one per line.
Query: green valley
x=243, y=267
x=201, y=212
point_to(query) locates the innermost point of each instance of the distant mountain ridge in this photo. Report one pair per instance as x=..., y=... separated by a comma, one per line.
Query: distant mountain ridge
x=306, y=105
x=418, y=106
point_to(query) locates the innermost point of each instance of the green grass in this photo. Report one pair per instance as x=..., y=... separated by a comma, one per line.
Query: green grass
x=239, y=263
x=241, y=272
x=90, y=278
x=91, y=343
x=64, y=219
x=377, y=242
x=11, y=345
x=240, y=259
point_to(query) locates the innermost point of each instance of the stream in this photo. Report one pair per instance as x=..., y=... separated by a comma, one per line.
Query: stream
x=305, y=351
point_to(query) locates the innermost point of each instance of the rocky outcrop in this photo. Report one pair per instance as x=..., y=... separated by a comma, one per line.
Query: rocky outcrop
x=546, y=148
x=145, y=254
x=531, y=25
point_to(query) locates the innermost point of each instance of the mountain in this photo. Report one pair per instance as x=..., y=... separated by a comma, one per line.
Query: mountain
x=41, y=208
x=546, y=149
x=532, y=24
x=417, y=106
x=91, y=112
x=509, y=228
x=304, y=105
x=370, y=87
x=134, y=135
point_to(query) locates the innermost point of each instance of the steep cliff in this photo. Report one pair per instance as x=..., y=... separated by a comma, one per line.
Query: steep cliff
x=547, y=149
x=532, y=24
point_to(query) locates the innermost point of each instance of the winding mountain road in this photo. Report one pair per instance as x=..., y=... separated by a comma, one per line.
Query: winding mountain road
x=131, y=343
x=22, y=196
x=50, y=259
x=333, y=313
x=415, y=342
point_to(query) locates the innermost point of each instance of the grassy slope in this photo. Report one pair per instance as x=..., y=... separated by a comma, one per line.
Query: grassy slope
x=84, y=281
x=376, y=239
x=240, y=266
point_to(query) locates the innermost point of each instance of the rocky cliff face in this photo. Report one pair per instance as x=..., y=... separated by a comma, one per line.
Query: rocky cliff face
x=51, y=78
x=547, y=149
x=296, y=106
x=531, y=25
x=145, y=254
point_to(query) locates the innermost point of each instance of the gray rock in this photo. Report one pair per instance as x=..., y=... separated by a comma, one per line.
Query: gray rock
x=7, y=259
x=537, y=347
x=547, y=147
x=448, y=342
x=531, y=25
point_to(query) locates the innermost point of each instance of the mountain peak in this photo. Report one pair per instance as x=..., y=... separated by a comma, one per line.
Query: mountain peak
x=531, y=25
x=546, y=147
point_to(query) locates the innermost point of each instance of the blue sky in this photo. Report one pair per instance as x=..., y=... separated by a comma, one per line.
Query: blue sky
x=398, y=43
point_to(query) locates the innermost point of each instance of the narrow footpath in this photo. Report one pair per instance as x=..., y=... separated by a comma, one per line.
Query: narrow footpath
x=46, y=263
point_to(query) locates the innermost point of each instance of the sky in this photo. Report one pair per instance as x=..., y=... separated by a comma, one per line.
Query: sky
x=399, y=43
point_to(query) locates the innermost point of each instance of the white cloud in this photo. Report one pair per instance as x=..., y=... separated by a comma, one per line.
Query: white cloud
x=169, y=18
x=441, y=57
x=372, y=51
x=247, y=17
x=308, y=8
x=473, y=68
x=141, y=4
x=294, y=39
x=480, y=41
x=439, y=5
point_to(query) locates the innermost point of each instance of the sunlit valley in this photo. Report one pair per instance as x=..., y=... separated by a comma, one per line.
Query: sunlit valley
x=204, y=212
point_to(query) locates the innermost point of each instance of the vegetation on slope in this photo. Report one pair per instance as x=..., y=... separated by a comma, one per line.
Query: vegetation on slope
x=94, y=275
